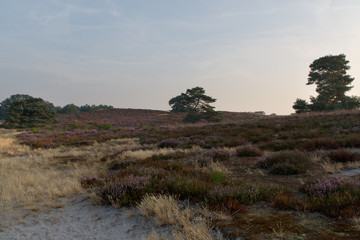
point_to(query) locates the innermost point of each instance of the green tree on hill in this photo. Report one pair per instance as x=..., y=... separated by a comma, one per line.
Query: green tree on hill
x=5, y=105
x=196, y=104
x=69, y=108
x=329, y=75
x=29, y=112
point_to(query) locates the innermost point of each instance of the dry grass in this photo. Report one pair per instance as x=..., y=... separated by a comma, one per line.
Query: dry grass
x=331, y=167
x=325, y=163
x=352, y=165
x=189, y=223
x=194, y=231
x=164, y=208
x=279, y=231
x=143, y=154
x=8, y=145
x=37, y=178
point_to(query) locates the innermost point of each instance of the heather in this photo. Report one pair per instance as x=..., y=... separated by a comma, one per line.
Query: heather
x=247, y=163
x=303, y=132
x=248, y=151
x=286, y=163
x=343, y=156
x=187, y=175
x=335, y=196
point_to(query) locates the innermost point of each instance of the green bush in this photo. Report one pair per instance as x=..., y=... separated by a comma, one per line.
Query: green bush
x=217, y=177
x=35, y=130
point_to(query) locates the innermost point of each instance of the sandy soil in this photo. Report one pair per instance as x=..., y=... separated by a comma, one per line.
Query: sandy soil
x=79, y=219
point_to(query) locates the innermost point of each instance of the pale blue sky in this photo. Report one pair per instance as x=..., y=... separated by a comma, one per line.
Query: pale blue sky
x=249, y=55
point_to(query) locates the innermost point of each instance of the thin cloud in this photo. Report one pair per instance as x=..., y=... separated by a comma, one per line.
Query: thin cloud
x=247, y=13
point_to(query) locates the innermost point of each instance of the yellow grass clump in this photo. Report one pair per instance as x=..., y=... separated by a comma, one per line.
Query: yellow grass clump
x=189, y=223
x=8, y=145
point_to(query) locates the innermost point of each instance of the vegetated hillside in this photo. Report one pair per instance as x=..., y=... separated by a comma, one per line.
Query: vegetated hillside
x=277, y=177
x=139, y=117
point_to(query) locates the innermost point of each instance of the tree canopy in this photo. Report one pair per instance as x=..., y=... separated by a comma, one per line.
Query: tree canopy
x=69, y=108
x=329, y=75
x=196, y=104
x=5, y=105
x=29, y=112
x=72, y=108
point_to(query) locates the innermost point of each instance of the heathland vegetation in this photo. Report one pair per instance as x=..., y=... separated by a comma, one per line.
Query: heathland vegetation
x=266, y=175
x=251, y=175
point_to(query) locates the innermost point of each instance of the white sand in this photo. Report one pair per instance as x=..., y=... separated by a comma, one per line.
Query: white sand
x=79, y=219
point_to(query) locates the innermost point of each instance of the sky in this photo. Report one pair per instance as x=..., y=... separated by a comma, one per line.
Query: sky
x=249, y=55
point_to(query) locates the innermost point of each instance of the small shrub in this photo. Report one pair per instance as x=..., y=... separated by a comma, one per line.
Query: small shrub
x=334, y=196
x=286, y=163
x=327, y=186
x=124, y=191
x=319, y=143
x=217, y=177
x=285, y=201
x=244, y=193
x=187, y=187
x=88, y=127
x=175, y=156
x=350, y=141
x=88, y=182
x=343, y=156
x=145, y=126
x=75, y=125
x=280, y=145
x=104, y=126
x=248, y=151
x=220, y=155
x=171, y=143
x=35, y=130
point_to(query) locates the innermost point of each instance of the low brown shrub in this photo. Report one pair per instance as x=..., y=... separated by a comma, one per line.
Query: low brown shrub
x=343, y=156
x=248, y=151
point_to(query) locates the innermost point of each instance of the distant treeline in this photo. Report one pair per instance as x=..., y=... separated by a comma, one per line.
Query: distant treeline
x=72, y=108
x=23, y=102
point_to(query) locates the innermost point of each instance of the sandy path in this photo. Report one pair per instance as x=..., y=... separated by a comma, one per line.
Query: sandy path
x=80, y=220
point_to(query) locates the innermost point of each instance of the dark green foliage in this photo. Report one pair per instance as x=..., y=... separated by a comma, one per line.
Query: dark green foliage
x=178, y=103
x=88, y=108
x=211, y=115
x=196, y=104
x=29, y=112
x=104, y=126
x=5, y=105
x=69, y=108
x=301, y=106
x=328, y=73
x=192, y=117
x=286, y=163
x=217, y=177
x=72, y=108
